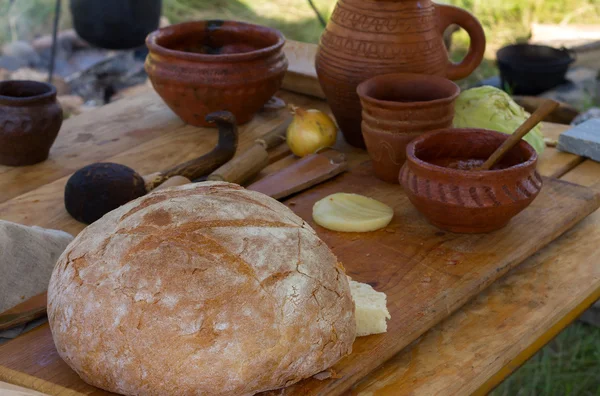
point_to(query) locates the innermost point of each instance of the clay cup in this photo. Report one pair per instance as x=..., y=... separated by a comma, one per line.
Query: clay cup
x=396, y=108
x=30, y=118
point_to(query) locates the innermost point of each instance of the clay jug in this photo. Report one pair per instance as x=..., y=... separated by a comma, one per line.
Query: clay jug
x=365, y=38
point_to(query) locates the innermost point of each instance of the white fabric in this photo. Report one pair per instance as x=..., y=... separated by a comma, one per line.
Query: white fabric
x=27, y=257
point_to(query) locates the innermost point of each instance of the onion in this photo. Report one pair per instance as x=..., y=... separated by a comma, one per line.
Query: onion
x=310, y=131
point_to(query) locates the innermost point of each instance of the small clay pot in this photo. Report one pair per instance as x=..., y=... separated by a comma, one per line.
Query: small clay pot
x=469, y=201
x=396, y=108
x=30, y=118
x=201, y=67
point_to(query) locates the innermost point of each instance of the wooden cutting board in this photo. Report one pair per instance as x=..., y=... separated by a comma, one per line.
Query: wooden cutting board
x=426, y=273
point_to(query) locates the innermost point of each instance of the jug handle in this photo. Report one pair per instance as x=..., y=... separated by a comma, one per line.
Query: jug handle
x=448, y=15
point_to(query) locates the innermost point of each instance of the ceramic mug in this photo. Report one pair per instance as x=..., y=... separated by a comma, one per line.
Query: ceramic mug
x=30, y=118
x=396, y=108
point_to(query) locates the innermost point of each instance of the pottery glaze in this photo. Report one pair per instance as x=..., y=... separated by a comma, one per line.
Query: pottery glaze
x=202, y=67
x=30, y=118
x=396, y=108
x=469, y=201
x=366, y=38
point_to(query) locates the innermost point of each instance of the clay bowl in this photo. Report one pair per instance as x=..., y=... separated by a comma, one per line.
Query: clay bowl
x=201, y=67
x=467, y=201
x=396, y=108
x=30, y=118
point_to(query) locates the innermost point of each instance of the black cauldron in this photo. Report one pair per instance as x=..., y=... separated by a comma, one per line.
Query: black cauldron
x=115, y=24
x=527, y=69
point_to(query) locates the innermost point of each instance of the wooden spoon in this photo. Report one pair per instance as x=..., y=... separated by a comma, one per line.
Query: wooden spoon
x=546, y=108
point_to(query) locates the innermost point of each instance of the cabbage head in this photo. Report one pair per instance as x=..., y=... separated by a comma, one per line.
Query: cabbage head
x=491, y=108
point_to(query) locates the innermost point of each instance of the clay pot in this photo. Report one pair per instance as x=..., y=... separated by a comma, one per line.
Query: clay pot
x=368, y=38
x=30, y=118
x=468, y=201
x=201, y=67
x=396, y=108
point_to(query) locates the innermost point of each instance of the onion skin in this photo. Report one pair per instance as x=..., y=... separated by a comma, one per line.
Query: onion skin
x=310, y=131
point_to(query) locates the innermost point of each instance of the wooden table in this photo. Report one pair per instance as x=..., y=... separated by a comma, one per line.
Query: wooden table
x=471, y=351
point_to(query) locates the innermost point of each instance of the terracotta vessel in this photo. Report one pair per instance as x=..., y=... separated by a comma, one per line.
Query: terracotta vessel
x=396, y=108
x=201, y=67
x=365, y=38
x=469, y=201
x=30, y=118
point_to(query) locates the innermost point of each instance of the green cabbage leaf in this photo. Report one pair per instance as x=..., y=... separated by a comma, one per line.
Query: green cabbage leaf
x=491, y=108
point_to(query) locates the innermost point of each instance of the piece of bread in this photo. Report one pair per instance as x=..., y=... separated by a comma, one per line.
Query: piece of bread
x=203, y=289
x=371, y=309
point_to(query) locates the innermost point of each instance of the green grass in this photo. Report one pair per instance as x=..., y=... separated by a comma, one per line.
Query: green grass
x=569, y=365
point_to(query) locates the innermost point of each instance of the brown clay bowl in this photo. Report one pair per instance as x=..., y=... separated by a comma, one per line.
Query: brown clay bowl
x=468, y=201
x=396, y=108
x=30, y=118
x=201, y=67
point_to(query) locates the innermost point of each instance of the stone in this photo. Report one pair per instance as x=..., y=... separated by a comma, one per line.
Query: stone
x=22, y=50
x=594, y=112
x=583, y=140
x=11, y=63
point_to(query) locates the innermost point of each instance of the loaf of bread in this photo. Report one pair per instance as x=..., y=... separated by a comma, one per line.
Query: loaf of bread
x=205, y=289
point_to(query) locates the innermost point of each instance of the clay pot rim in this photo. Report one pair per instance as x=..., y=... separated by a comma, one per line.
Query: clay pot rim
x=362, y=90
x=155, y=48
x=465, y=174
x=49, y=92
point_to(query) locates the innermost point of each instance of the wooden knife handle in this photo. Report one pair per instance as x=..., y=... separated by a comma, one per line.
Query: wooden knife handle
x=193, y=169
x=244, y=167
x=276, y=136
x=248, y=164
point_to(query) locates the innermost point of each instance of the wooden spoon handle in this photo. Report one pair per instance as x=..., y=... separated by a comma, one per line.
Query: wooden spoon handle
x=546, y=108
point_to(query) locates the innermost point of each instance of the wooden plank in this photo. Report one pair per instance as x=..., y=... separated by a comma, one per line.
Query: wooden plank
x=42, y=355
x=476, y=348
x=7, y=389
x=111, y=129
x=301, y=76
x=586, y=174
x=44, y=206
x=426, y=274
x=556, y=163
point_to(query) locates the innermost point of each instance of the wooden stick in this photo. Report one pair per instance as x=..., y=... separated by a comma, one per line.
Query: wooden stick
x=248, y=164
x=537, y=117
x=24, y=312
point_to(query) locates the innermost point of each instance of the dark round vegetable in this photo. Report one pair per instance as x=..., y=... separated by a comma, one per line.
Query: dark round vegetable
x=99, y=188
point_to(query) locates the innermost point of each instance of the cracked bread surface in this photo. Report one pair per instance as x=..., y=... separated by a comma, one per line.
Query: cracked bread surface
x=203, y=289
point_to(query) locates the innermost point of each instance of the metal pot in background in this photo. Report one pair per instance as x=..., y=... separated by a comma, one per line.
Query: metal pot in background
x=527, y=69
x=115, y=24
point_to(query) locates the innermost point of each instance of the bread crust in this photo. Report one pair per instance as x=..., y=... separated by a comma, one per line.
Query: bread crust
x=204, y=289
